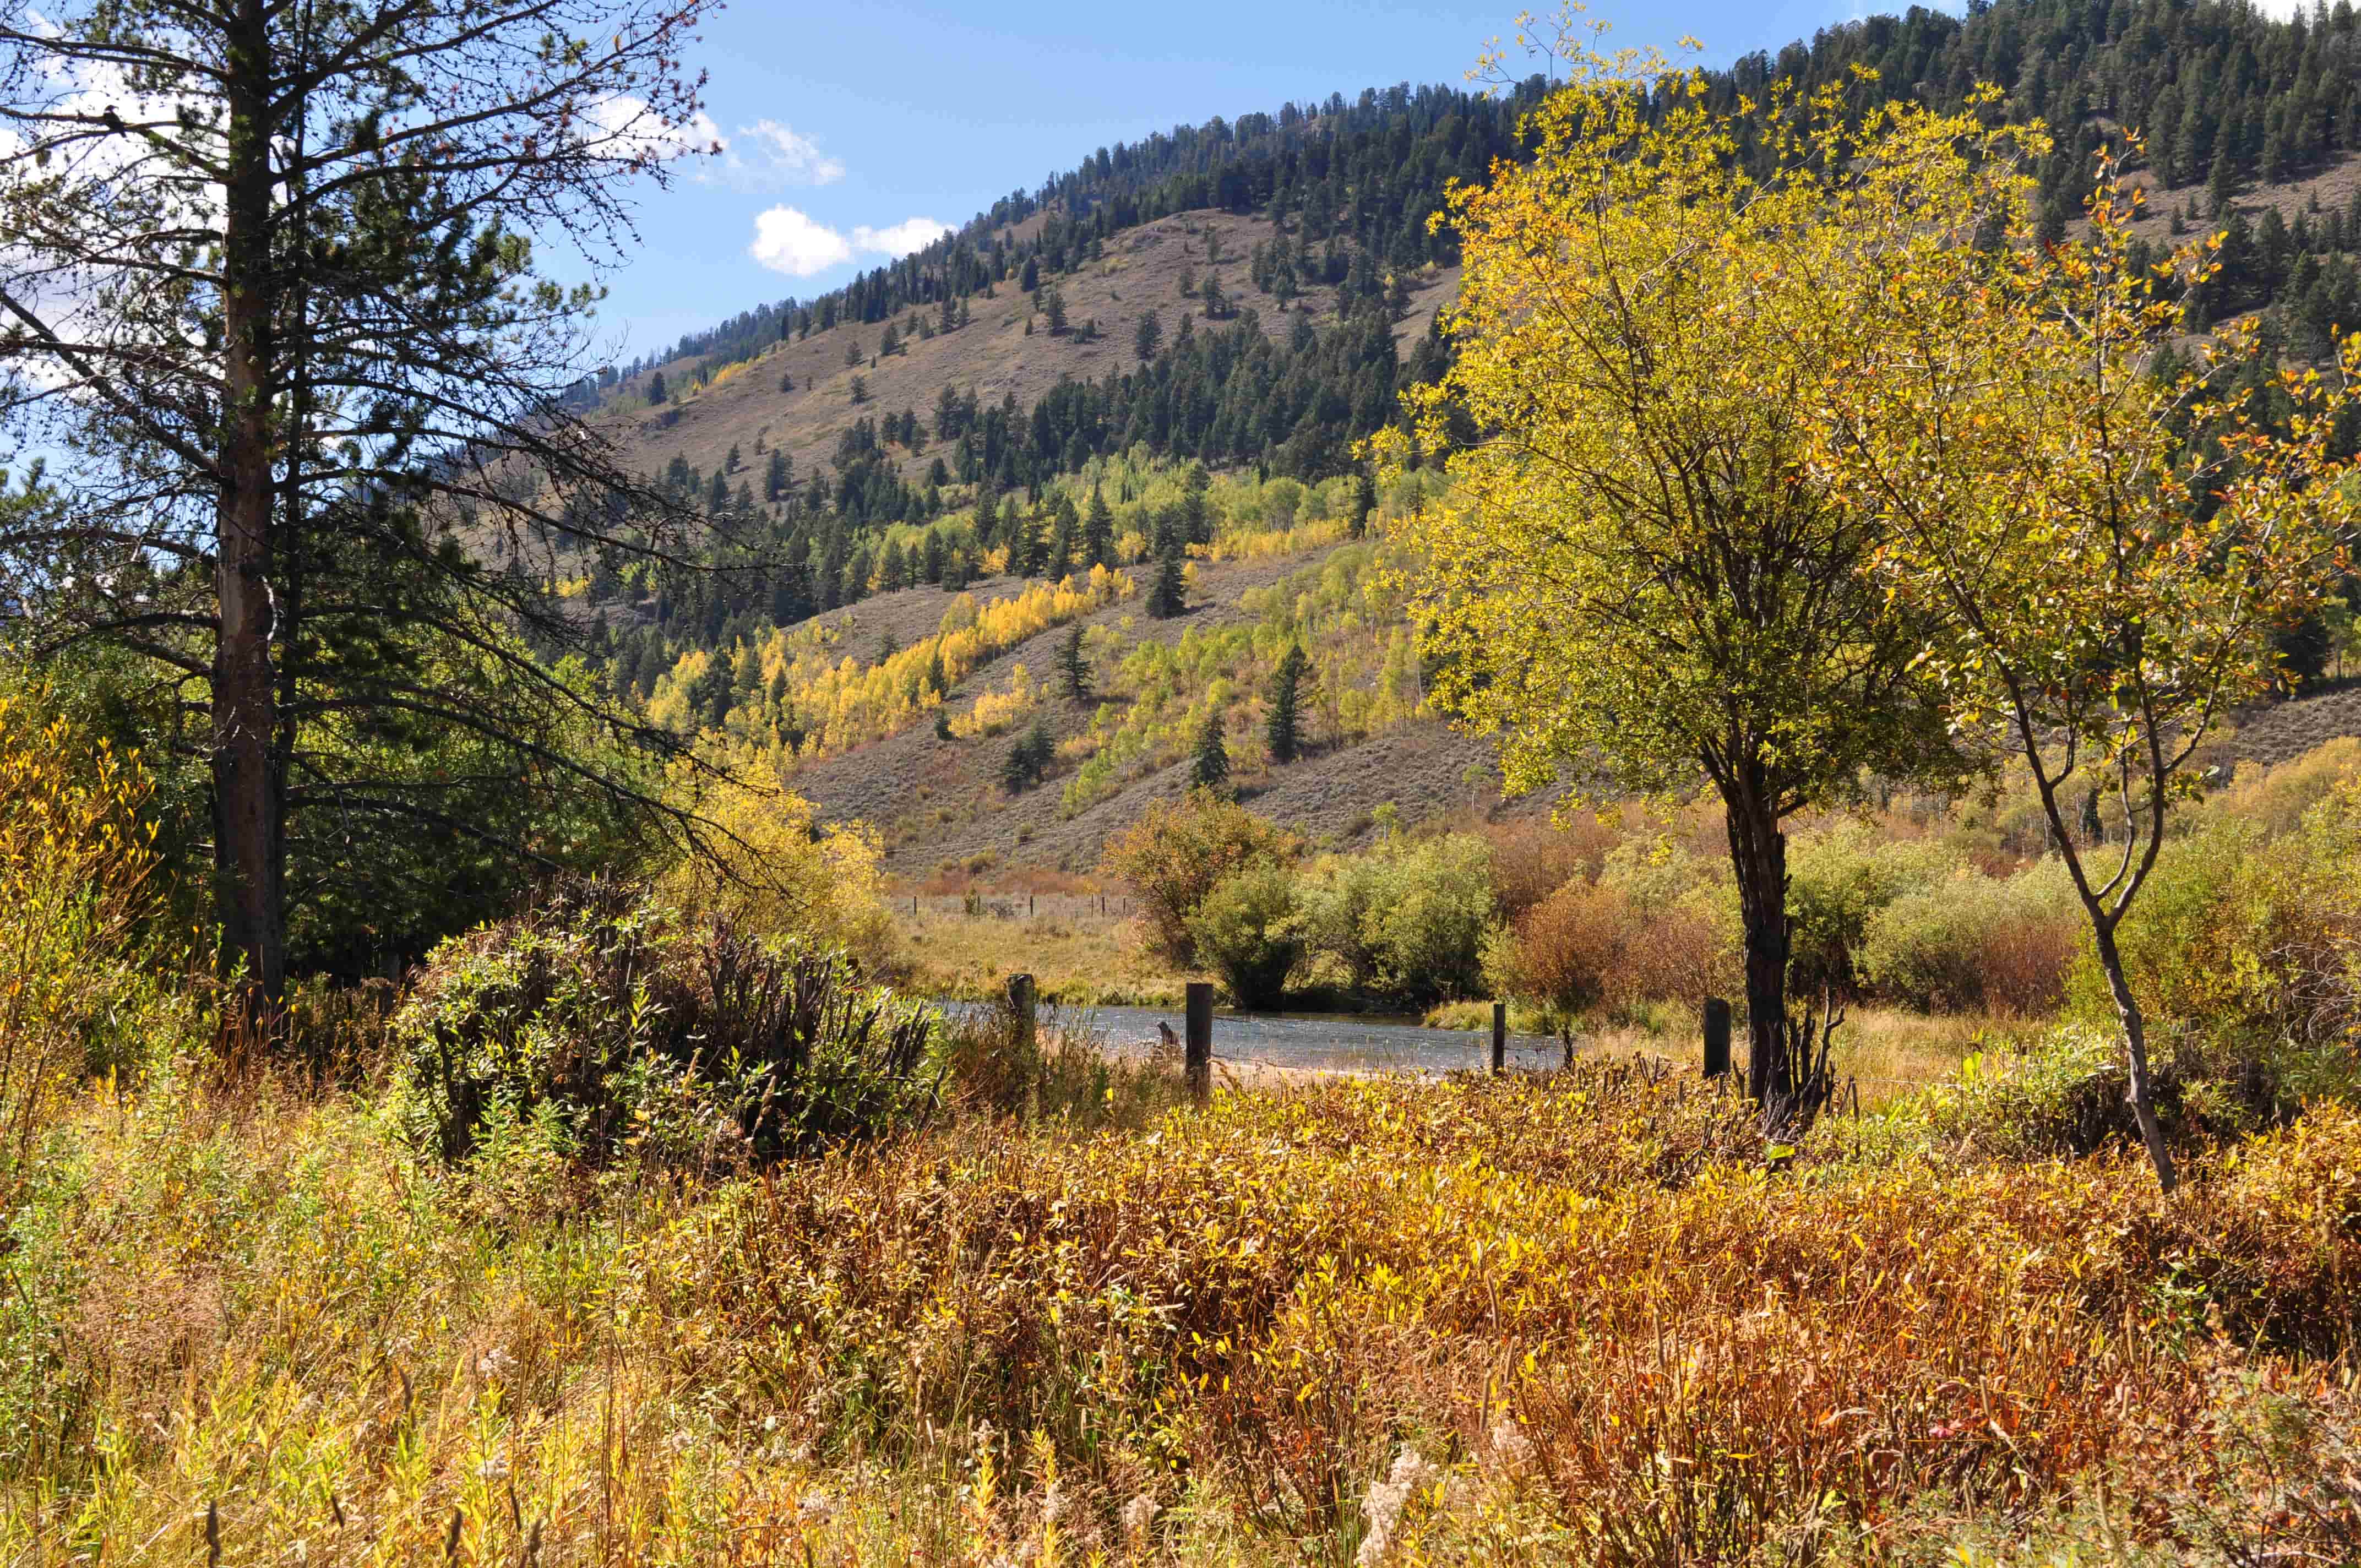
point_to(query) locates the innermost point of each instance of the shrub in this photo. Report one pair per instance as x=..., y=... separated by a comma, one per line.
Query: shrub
x=1977, y=941
x=769, y=871
x=1532, y=860
x=2248, y=939
x=606, y=1018
x=79, y=989
x=1562, y=954
x=2068, y=1095
x=1407, y=920
x=1838, y=880
x=1178, y=852
x=2277, y=798
x=1246, y=932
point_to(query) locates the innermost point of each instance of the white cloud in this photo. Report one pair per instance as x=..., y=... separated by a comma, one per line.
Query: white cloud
x=787, y=241
x=792, y=242
x=904, y=237
x=770, y=151
x=627, y=128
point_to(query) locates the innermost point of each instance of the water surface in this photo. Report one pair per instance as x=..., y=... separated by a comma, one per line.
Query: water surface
x=1329, y=1040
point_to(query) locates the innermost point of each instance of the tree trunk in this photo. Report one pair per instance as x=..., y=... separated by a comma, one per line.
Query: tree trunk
x=245, y=702
x=2143, y=1089
x=1758, y=855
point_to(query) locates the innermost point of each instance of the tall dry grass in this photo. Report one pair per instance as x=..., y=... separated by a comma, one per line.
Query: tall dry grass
x=1602, y=1333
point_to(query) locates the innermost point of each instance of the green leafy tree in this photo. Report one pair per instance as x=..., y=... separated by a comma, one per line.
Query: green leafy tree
x=1179, y=851
x=1645, y=574
x=1247, y=931
x=2109, y=554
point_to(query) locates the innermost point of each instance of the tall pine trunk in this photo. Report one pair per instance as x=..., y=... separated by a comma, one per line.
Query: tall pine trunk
x=245, y=706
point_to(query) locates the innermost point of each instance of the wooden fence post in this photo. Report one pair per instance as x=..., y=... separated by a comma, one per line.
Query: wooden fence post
x=1717, y=1038
x=1500, y=1037
x=1198, y=1061
x=1020, y=1003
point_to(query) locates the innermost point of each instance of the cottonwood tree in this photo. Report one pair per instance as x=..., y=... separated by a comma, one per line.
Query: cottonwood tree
x=267, y=293
x=1634, y=571
x=2107, y=552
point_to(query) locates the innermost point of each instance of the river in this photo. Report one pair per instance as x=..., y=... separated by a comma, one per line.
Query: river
x=1316, y=1039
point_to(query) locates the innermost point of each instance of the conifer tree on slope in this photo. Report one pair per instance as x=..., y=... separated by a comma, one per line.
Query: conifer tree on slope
x=193, y=292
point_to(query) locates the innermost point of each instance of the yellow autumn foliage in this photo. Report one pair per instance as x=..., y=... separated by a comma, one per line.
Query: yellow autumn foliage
x=769, y=870
x=995, y=711
x=77, y=884
x=840, y=703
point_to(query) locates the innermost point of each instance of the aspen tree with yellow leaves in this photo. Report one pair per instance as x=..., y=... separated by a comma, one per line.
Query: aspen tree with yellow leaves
x=2104, y=550
x=1638, y=574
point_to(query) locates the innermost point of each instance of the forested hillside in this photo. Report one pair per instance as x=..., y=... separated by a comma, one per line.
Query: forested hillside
x=1251, y=295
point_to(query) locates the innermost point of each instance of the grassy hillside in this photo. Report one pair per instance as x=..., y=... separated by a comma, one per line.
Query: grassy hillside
x=993, y=355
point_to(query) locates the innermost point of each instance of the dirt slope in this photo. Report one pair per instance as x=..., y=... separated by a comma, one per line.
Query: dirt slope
x=939, y=801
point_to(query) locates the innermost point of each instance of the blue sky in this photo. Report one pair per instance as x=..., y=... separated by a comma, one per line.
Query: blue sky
x=855, y=129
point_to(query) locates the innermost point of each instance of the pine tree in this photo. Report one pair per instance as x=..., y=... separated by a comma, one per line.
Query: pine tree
x=1286, y=698
x=891, y=344
x=938, y=682
x=1196, y=515
x=656, y=392
x=1061, y=541
x=1032, y=277
x=1149, y=337
x=851, y=353
x=1025, y=547
x=1016, y=768
x=860, y=390
x=1074, y=665
x=1098, y=531
x=1053, y=306
x=1169, y=597
x=1364, y=502
x=1210, y=768
x=2221, y=184
x=1028, y=759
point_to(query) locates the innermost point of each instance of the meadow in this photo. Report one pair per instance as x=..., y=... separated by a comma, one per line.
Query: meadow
x=618, y=1234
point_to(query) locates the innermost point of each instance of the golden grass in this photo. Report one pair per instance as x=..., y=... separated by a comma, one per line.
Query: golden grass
x=251, y=1315
x=1082, y=961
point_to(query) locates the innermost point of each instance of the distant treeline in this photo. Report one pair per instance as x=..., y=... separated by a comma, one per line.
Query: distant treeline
x=2224, y=94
